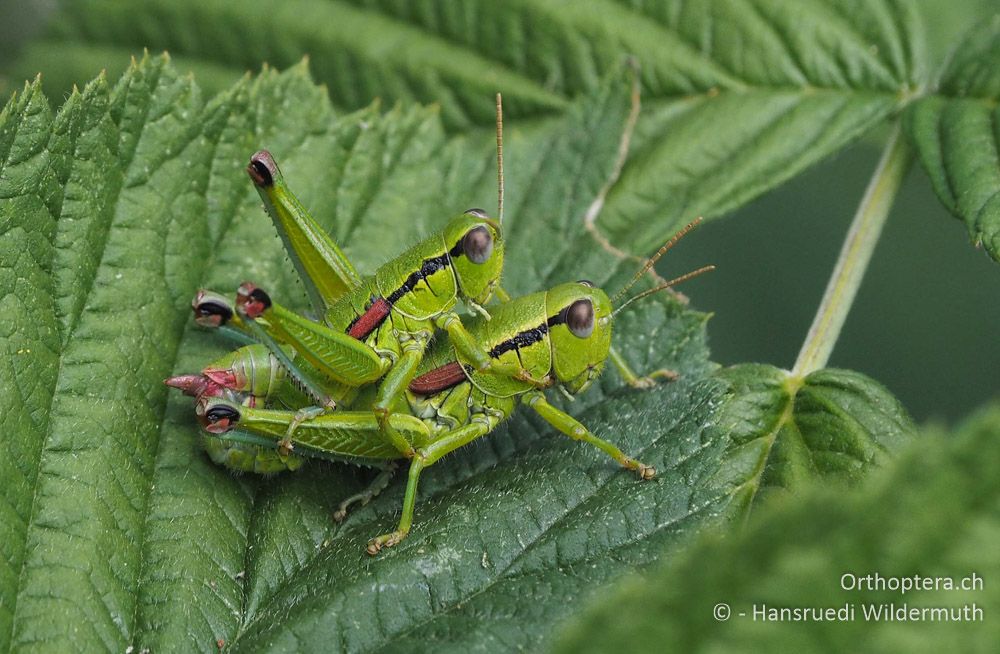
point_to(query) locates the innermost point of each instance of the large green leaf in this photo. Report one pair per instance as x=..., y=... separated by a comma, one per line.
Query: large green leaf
x=957, y=136
x=935, y=513
x=116, y=529
x=739, y=95
x=785, y=431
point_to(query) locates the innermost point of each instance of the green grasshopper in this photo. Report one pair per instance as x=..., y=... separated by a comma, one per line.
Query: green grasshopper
x=373, y=329
x=561, y=337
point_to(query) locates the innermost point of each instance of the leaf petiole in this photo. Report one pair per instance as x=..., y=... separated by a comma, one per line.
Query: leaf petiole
x=854, y=256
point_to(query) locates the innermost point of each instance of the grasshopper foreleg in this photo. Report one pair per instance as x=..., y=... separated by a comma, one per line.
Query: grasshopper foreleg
x=573, y=428
x=502, y=296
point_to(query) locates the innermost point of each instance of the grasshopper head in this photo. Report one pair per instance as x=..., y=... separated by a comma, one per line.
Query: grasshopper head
x=475, y=247
x=217, y=415
x=580, y=332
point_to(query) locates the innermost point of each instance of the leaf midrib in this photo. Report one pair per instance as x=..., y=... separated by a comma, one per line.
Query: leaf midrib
x=790, y=387
x=145, y=529
x=209, y=262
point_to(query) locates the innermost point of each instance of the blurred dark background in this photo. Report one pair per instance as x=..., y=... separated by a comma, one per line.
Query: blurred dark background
x=926, y=322
x=926, y=319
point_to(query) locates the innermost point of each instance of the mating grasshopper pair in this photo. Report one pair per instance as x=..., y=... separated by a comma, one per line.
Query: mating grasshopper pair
x=365, y=385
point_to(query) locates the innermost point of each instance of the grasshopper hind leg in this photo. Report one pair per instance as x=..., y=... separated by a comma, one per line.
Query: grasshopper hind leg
x=377, y=485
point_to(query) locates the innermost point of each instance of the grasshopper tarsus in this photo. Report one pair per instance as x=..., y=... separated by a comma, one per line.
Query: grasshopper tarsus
x=651, y=380
x=643, y=471
x=666, y=374
x=643, y=383
x=377, y=544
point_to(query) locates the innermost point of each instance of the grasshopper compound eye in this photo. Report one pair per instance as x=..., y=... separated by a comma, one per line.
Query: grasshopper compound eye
x=211, y=310
x=478, y=244
x=478, y=213
x=262, y=169
x=218, y=419
x=580, y=318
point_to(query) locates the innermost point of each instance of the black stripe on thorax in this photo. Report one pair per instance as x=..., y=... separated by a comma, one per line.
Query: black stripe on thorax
x=527, y=337
x=519, y=340
x=427, y=268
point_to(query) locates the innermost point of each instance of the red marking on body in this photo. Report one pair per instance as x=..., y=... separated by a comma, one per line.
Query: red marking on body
x=439, y=379
x=370, y=319
x=223, y=377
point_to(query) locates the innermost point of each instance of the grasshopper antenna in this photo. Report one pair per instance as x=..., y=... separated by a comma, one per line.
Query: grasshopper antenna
x=499, y=159
x=656, y=257
x=656, y=289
